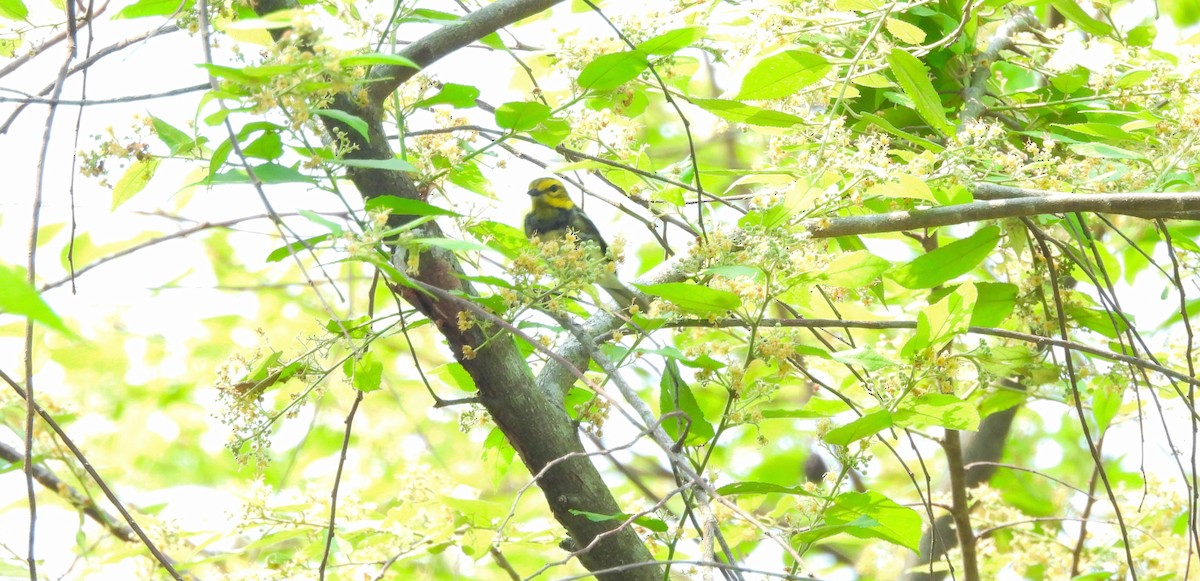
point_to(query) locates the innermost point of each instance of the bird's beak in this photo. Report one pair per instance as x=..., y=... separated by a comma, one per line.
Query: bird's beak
x=534, y=192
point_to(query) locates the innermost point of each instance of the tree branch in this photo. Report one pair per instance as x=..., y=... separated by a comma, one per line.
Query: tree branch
x=537, y=426
x=1138, y=205
x=386, y=78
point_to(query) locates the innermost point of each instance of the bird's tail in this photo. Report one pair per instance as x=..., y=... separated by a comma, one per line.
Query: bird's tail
x=622, y=294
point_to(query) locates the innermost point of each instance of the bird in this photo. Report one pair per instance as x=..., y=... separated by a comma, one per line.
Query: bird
x=553, y=214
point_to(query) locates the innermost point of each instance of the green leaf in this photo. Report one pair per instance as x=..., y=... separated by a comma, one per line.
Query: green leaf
x=609, y=71
x=674, y=395
x=493, y=41
x=134, y=180
x=453, y=94
x=864, y=427
x=368, y=373
x=13, y=9
x=913, y=77
x=864, y=356
x=268, y=146
x=521, y=115
x=394, y=164
x=673, y=40
x=887, y=126
x=217, y=160
x=1105, y=151
x=478, y=513
x=761, y=488
x=694, y=298
x=294, y=247
x=469, y=177
x=737, y=112
x=144, y=8
x=502, y=238
x=1106, y=402
x=18, y=298
x=815, y=408
x=937, y=409
x=1070, y=81
x=176, y=140
x=333, y=227
x=454, y=375
x=869, y=515
x=8, y=48
x=947, y=262
x=352, y=121
x=234, y=74
x=651, y=523
x=942, y=321
x=1133, y=78
x=273, y=173
x=452, y=244
x=1071, y=10
x=905, y=186
x=551, y=132
x=1108, y=324
x=995, y=303
x=783, y=74
x=853, y=270
x=703, y=361
x=374, y=58
x=405, y=207
x=769, y=218
x=905, y=32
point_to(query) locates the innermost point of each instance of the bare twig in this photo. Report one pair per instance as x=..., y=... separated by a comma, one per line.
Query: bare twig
x=82, y=502
x=162, y=559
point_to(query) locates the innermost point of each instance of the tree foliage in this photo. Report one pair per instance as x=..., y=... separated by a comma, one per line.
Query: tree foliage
x=921, y=276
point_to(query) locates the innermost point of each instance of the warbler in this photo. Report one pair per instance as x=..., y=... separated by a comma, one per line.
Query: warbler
x=553, y=215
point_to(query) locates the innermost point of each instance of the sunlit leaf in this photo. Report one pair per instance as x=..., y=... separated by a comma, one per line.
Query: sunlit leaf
x=864, y=356
x=864, y=427
x=783, y=74
x=947, y=262
x=378, y=59
x=671, y=41
x=134, y=180
x=913, y=77
x=610, y=71
x=869, y=515
x=453, y=94
x=674, y=395
x=905, y=32
x=736, y=112
x=521, y=115
x=942, y=321
x=18, y=298
x=143, y=8
x=352, y=121
x=694, y=298
x=937, y=409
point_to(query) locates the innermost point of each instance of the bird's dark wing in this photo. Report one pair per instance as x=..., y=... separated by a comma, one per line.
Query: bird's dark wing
x=587, y=230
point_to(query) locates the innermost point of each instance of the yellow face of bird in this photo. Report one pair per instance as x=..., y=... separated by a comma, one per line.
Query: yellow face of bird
x=549, y=192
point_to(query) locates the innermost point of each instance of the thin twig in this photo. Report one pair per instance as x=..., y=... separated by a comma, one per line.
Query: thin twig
x=163, y=560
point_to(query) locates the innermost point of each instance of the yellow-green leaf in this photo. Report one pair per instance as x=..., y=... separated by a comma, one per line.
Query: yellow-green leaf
x=905, y=32
x=134, y=180
x=783, y=74
x=905, y=186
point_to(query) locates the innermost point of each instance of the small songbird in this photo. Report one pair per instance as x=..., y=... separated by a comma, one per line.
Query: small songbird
x=554, y=214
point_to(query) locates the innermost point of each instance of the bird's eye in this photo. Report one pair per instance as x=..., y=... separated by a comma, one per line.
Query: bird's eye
x=554, y=187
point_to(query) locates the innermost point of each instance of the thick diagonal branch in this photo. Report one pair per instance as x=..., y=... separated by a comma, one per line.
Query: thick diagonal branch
x=538, y=427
